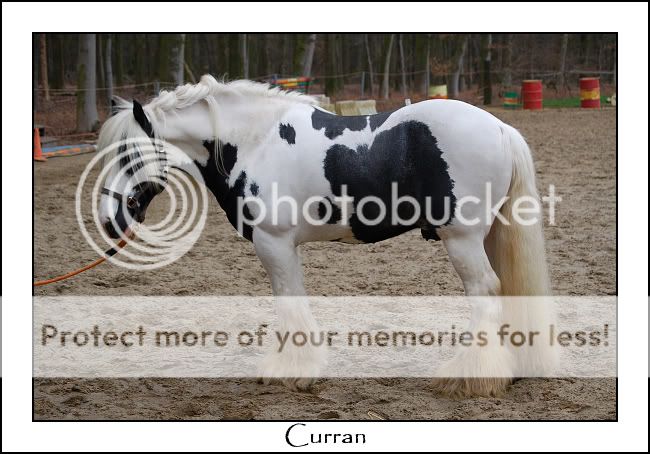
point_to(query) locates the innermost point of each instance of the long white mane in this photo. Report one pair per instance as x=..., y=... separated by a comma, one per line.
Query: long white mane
x=208, y=87
x=122, y=125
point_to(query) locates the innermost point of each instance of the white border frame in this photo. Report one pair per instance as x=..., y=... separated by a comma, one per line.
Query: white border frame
x=629, y=20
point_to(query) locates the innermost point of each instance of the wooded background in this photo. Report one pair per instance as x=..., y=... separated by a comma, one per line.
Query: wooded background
x=94, y=66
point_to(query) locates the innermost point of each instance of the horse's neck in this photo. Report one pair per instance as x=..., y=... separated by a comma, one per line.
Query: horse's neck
x=240, y=124
x=247, y=122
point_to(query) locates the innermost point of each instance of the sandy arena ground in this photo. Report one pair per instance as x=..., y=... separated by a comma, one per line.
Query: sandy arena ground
x=574, y=149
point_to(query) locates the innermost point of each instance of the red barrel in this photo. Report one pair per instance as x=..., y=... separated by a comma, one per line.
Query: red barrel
x=531, y=94
x=590, y=93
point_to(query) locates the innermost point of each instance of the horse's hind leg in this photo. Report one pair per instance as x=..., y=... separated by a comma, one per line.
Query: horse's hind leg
x=476, y=370
x=296, y=366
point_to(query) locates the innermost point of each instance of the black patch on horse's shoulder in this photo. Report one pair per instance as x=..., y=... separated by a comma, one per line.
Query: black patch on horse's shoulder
x=288, y=133
x=335, y=124
x=229, y=156
x=236, y=192
x=255, y=189
x=407, y=154
x=377, y=120
x=218, y=183
x=335, y=215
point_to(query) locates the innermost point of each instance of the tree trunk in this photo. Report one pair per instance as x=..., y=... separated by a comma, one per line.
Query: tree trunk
x=190, y=50
x=108, y=67
x=332, y=82
x=234, y=57
x=35, y=59
x=298, y=56
x=309, y=55
x=177, y=58
x=455, y=78
x=614, y=73
x=268, y=56
x=402, y=65
x=507, y=74
x=119, y=65
x=487, y=75
x=141, y=58
x=371, y=73
x=43, y=55
x=562, y=65
x=385, y=84
x=427, y=67
x=100, y=62
x=469, y=79
x=243, y=40
x=171, y=56
x=87, y=119
x=57, y=71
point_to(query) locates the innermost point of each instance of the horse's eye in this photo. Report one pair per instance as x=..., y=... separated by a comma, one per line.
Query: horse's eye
x=131, y=202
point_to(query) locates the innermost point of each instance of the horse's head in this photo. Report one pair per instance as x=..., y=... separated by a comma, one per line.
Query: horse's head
x=135, y=166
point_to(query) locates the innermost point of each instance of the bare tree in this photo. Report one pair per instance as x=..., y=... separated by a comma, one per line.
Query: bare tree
x=333, y=84
x=177, y=57
x=458, y=66
x=402, y=64
x=427, y=67
x=507, y=72
x=244, y=54
x=35, y=60
x=487, y=74
x=108, y=67
x=309, y=55
x=140, y=45
x=171, y=58
x=118, y=55
x=370, y=70
x=57, y=67
x=100, y=62
x=562, y=65
x=385, y=86
x=43, y=65
x=87, y=119
x=614, y=73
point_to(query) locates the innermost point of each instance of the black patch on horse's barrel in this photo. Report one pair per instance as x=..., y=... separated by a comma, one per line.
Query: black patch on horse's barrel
x=377, y=120
x=218, y=183
x=335, y=125
x=335, y=215
x=288, y=133
x=407, y=154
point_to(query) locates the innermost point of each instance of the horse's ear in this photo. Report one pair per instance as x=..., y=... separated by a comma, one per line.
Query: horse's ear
x=141, y=118
x=117, y=104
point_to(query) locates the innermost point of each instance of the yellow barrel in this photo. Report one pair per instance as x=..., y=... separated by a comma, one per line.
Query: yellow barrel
x=438, y=92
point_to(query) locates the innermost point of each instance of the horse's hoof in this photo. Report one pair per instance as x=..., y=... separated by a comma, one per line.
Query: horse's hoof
x=463, y=388
x=299, y=384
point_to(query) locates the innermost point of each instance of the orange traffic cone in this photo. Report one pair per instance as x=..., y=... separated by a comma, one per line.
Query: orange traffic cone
x=38, y=152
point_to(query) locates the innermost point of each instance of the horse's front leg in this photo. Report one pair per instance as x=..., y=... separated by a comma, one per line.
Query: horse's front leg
x=297, y=366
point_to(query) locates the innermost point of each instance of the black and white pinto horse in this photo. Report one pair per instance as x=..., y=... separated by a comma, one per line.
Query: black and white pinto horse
x=249, y=141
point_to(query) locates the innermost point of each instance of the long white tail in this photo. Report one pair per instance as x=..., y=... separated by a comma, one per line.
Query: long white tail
x=518, y=257
x=516, y=251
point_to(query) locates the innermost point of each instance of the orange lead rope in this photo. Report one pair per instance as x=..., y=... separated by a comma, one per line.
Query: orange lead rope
x=109, y=253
